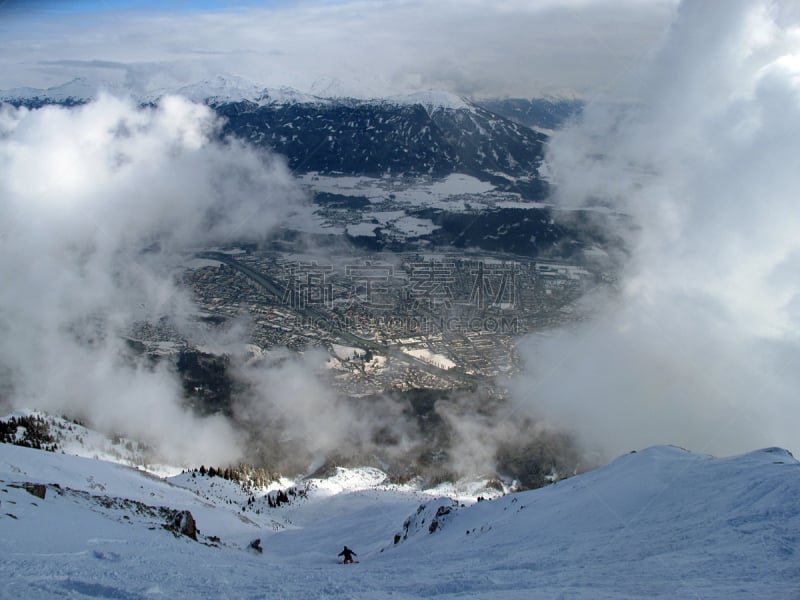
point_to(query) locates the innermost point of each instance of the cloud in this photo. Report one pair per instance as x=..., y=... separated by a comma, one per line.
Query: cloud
x=98, y=203
x=102, y=204
x=302, y=421
x=360, y=47
x=694, y=347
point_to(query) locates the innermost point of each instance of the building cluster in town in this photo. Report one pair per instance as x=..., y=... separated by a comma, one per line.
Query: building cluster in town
x=415, y=320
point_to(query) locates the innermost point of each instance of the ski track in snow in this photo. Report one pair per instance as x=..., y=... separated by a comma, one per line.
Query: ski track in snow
x=660, y=523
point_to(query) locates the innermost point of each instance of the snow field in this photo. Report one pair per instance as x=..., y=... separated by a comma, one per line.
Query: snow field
x=660, y=523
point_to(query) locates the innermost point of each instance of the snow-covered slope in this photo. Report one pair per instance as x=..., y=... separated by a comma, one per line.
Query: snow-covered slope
x=661, y=523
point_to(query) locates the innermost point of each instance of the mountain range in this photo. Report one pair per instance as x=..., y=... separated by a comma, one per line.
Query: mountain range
x=485, y=159
x=421, y=133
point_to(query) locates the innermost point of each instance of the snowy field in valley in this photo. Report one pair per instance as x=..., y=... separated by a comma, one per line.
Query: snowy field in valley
x=453, y=192
x=391, y=200
x=660, y=523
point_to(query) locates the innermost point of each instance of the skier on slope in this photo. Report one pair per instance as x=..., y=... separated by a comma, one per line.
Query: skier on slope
x=348, y=555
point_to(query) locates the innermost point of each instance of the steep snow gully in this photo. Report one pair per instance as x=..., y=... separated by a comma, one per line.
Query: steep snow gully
x=659, y=523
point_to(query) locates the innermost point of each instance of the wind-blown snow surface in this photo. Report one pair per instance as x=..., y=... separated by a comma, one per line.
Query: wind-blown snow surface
x=658, y=523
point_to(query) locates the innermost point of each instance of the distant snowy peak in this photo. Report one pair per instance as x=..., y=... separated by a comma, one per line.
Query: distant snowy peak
x=431, y=100
x=287, y=95
x=220, y=89
x=226, y=89
x=78, y=89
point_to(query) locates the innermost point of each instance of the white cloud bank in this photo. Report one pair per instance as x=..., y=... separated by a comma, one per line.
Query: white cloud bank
x=701, y=345
x=95, y=202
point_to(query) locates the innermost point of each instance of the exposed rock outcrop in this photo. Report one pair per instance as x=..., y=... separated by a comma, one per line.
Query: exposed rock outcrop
x=183, y=523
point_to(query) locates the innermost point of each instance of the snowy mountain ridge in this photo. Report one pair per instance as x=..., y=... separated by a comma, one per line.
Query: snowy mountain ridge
x=223, y=89
x=75, y=91
x=431, y=100
x=659, y=523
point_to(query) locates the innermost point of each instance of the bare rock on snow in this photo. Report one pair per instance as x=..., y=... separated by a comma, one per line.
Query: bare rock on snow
x=183, y=523
x=35, y=489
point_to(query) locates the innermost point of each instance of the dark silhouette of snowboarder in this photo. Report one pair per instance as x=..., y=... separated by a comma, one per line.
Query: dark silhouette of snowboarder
x=348, y=555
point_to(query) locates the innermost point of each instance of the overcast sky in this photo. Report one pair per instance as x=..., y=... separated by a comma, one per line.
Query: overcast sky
x=479, y=48
x=699, y=343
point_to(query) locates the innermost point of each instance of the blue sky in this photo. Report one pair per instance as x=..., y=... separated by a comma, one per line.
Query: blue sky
x=101, y=6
